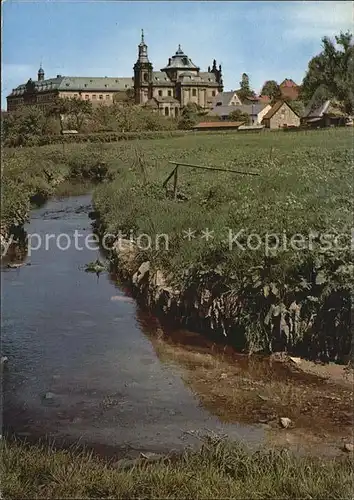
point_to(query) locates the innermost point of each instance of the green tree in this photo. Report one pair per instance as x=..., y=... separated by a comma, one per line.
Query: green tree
x=332, y=70
x=79, y=109
x=189, y=116
x=59, y=108
x=239, y=116
x=245, y=90
x=126, y=98
x=66, y=108
x=297, y=106
x=24, y=126
x=272, y=90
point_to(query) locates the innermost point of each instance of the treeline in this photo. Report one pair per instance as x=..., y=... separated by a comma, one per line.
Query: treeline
x=35, y=125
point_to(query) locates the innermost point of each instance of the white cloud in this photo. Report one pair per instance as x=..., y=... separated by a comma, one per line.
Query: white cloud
x=313, y=20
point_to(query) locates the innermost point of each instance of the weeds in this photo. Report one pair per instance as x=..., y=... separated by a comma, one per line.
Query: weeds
x=220, y=469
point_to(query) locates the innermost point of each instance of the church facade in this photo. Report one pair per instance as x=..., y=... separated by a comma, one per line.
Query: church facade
x=165, y=91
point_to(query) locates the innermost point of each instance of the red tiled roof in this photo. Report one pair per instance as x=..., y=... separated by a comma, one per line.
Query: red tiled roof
x=264, y=99
x=221, y=124
x=288, y=82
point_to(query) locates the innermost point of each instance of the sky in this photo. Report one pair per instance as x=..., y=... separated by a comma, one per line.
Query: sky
x=266, y=40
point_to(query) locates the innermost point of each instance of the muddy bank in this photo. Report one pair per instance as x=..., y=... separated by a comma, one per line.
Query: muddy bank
x=208, y=307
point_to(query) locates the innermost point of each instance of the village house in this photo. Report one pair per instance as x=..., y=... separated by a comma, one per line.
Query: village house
x=256, y=111
x=281, y=115
x=328, y=114
x=178, y=83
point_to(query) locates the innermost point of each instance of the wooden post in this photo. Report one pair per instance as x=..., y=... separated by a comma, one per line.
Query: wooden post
x=175, y=178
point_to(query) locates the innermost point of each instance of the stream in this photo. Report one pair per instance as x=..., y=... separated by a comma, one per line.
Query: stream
x=81, y=366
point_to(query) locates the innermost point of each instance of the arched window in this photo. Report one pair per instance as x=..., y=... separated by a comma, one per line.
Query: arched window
x=166, y=111
x=146, y=77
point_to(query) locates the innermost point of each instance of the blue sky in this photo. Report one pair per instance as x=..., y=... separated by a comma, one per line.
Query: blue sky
x=267, y=40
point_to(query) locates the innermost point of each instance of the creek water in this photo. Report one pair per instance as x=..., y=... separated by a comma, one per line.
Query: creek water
x=80, y=362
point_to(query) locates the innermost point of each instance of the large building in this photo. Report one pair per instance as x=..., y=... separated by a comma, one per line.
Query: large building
x=175, y=85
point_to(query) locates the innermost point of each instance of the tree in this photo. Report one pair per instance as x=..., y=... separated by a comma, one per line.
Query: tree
x=80, y=109
x=127, y=98
x=66, y=108
x=58, y=109
x=239, y=116
x=332, y=70
x=24, y=126
x=189, y=116
x=245, y=90
x=272, y=90
x=297, y=106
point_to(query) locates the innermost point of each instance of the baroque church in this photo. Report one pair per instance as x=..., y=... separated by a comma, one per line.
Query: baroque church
x=165, y=91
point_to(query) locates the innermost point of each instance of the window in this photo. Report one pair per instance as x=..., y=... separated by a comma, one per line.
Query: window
x=101, y=96
x=146, y=77
x=176, y=111
x=87, y=97
x=213, y=93
x=94, y=96
x=170, y=93
x=166, y=111
x=108, y=97
x=160, y=93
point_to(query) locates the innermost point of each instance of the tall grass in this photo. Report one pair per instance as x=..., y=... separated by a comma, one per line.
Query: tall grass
x=220, y=469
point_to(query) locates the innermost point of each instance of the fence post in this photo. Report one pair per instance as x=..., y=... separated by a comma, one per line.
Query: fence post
x=175, y=178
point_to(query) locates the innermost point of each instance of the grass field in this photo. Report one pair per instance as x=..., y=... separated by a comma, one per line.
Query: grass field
x=296, y=296
x=219, y=470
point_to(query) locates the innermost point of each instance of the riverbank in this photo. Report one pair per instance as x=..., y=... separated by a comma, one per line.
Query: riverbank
x=257, y=293
x=221, y=469
x=31, y=176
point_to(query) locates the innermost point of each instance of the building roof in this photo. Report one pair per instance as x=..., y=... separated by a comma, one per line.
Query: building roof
x=288, y=82
x=77, y=84
x=330, y=107
x=155, y=101
x=216, y=125
x=224, y=98
x=275, y=109
x=250, y=109
x=180, y=61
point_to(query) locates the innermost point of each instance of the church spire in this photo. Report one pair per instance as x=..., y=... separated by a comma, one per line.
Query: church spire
x=143, y=50
x=40, y=73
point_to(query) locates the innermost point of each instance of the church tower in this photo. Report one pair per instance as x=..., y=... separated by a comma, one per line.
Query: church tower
x=142, y=73
x=40, y=73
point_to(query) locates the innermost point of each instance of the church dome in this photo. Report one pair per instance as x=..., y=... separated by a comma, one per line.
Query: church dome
x=181, y=61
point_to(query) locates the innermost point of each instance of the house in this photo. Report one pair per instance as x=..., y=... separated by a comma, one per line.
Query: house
x=255, y=111
x=223, y=125
x=289, y=89
x=226, y=99
x=281, y=115
x=328, y=114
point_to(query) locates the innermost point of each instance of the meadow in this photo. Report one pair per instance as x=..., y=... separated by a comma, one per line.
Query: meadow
x=297, y=298
x=293, y=297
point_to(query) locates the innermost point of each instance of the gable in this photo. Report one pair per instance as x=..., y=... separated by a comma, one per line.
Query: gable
x=278, y=106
